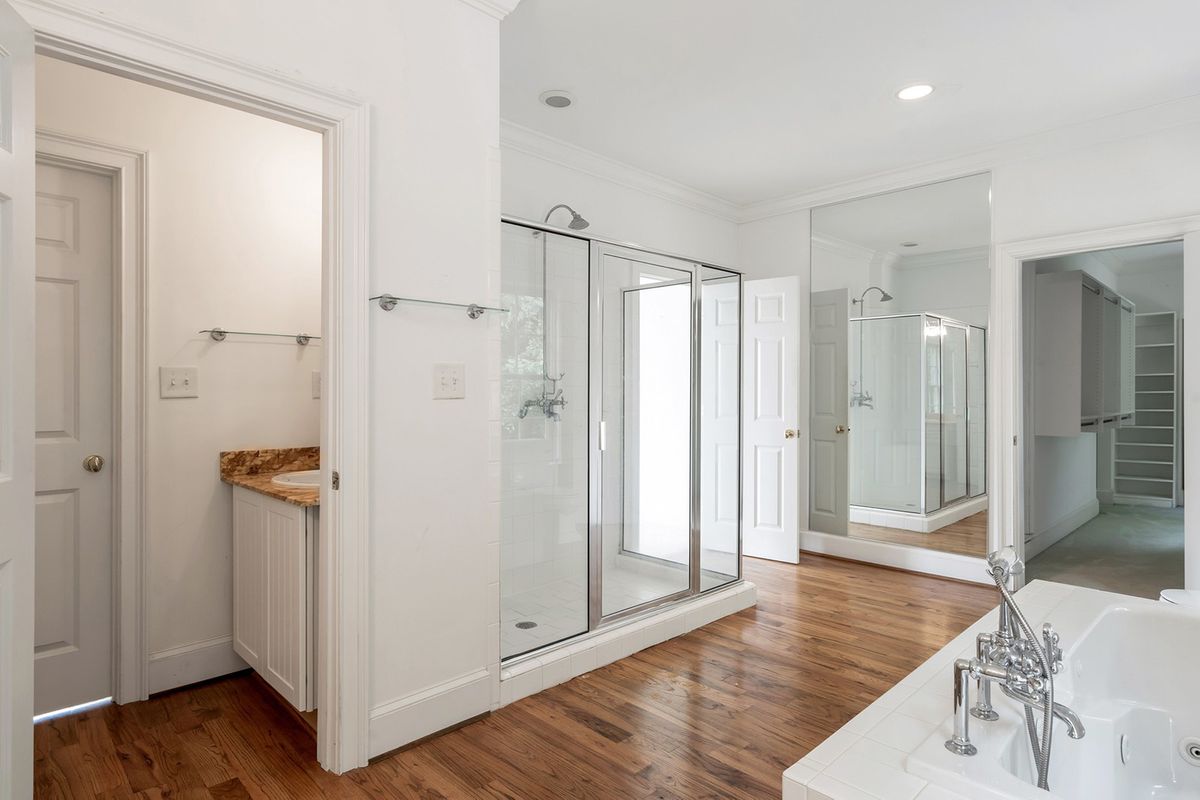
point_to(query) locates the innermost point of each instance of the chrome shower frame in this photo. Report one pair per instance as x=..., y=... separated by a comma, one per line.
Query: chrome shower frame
x=598, y=245
x=971, y=331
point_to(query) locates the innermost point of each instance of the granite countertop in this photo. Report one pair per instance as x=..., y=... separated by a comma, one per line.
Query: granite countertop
x=254, y=469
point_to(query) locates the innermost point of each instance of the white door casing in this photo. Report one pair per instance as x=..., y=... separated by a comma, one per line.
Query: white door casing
x=16, y=405
x=91, y=38
x=73, y=422
x=829, y=473
x=771, y=460
x=1191, y=401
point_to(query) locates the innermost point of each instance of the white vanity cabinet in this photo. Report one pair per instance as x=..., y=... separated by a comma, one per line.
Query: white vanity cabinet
x=1083, y=355
x=274, y=592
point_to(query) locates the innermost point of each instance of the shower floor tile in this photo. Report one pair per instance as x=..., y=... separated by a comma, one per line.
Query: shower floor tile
x=560, y=609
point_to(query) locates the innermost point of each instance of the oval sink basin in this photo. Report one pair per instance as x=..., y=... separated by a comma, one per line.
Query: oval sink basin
x=305, y=479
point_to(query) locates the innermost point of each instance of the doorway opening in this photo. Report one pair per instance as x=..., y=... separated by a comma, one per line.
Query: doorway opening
x=179, y=373
x=1104, y=472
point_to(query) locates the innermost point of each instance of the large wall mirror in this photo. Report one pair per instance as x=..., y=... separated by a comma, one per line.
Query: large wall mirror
x=899, y=327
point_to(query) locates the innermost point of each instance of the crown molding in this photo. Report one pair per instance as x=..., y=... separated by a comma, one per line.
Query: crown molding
x=497, y=9
x=564, y=154
x=1124, y=125
x=1128, y=124
x=841, y=247
x=944, y=257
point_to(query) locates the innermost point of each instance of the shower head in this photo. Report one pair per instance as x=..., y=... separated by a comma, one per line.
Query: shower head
x=883, y=296
x=577, y=222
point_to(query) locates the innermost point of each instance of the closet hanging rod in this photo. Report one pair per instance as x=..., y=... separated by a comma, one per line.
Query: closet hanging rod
x=388, y=301
x=219, y=334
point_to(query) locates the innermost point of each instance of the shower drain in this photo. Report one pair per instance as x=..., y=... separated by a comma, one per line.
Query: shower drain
x=1189, y=748
x=526, y=625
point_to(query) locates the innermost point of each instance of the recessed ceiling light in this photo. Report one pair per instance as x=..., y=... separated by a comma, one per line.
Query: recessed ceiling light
x=909, y=244
x=556, y=98
x=915, y=92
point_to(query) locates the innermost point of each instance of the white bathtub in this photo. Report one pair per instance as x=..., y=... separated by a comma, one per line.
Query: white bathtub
x=1133, y=676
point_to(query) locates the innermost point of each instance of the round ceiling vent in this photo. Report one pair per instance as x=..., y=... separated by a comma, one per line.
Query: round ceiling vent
x=556, y=98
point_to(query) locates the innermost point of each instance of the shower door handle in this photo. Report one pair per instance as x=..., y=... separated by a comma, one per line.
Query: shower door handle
x=842, y=429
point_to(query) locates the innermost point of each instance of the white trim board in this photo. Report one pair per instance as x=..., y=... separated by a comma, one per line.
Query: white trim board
x=128, y=170
x=98, y=41
x=913, y=559
x=1006, y=436
x=406, y=719
x=192, y=663
x=921, y=523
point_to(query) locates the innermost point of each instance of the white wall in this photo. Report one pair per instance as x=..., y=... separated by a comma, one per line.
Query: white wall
x=620, y=203
x=955, y=283
x=234, y=203
x=1097, y=184
x=429, y=71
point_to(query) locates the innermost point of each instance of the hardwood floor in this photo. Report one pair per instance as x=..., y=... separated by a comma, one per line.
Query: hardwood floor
x=718, y=713
x=967, y=537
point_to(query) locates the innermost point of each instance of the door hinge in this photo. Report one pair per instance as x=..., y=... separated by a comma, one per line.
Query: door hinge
x=336, y=480
x=1014, y=441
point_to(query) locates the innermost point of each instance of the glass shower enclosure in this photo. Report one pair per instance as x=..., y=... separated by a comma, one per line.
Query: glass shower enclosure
x=918, y=410
x=619, y=400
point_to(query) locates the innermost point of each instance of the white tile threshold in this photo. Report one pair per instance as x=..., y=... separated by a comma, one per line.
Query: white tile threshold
x=559, y=663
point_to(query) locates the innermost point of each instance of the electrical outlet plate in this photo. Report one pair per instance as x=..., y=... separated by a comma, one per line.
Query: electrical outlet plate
x=449, y=381
x=175, y=382
x=316, y=384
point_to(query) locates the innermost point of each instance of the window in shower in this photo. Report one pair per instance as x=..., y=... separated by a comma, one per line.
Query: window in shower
x=645, y=414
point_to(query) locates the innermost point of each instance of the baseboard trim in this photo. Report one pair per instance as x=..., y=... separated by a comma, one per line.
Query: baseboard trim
x=192, y=663
x=919, y=523
x=1061, y=529
x=404, y=720
x=913, y=559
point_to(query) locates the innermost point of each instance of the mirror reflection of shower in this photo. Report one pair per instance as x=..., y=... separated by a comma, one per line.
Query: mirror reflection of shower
x=859, y=397
x=551, y=400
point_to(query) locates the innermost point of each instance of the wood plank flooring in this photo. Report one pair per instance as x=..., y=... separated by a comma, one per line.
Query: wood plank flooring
x=967, y=537
x=718, y=713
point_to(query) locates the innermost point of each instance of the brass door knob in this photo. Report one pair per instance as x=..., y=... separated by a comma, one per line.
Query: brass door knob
x=790, y=434
x=842, y=429
x=93, y=463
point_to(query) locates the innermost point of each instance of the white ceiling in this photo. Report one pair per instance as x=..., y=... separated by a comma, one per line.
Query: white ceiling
x=760, y=99
x=951, y=215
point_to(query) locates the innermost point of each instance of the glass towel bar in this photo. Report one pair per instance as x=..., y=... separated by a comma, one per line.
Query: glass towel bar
x=219, y=334
x=388, y=301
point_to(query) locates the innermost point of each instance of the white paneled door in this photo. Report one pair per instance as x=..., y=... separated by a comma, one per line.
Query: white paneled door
x=73, y=428
x=829, y=470
x=772, y=451
x=16, y=404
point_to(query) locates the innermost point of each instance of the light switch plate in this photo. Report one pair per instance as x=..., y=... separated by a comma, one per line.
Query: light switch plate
x=449, y=381
x=176, y=382
x=316, y=384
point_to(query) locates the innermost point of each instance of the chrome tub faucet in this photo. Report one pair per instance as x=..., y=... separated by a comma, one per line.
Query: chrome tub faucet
x=1023, y=668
